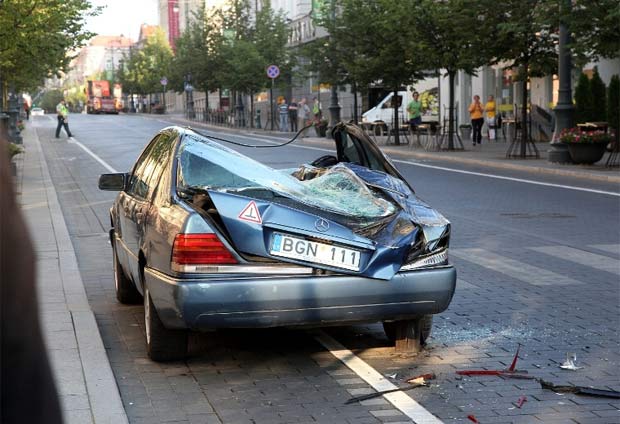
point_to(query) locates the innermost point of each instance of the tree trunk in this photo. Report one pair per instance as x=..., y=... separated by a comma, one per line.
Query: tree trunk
x=524, y=132
x=451, y=80
x=251, y=109
x=395, y=122
x=354, y=90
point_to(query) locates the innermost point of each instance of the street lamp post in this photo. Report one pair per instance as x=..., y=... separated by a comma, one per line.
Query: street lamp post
x=334, y=107
x=189, y=90
x=564, y=109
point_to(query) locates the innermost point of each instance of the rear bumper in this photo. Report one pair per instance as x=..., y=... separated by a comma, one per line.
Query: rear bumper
x=255, y=302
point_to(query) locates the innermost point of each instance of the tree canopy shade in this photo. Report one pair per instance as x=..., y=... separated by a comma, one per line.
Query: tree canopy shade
x=454, y=35
x=143, y=69
x=377, y=43
x=37, y=36
x=199, y=54
x=525, y=39
x=595, y=28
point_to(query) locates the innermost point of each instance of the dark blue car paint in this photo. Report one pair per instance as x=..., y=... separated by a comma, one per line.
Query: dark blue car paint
x=213, y=301
x=217, y=301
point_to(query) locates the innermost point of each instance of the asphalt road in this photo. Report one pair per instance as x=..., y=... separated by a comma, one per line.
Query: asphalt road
x=538, y=266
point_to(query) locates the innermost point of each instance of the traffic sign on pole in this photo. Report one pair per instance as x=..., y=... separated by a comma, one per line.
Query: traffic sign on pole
x=273, y=71
x=163, y=81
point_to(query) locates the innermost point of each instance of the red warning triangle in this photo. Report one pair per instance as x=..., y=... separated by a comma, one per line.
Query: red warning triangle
x=251, y=214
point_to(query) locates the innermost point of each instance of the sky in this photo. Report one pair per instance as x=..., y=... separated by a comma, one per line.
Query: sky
x=123, y=17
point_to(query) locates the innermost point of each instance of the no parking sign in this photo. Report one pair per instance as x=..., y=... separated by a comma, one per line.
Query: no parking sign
x=273, y=71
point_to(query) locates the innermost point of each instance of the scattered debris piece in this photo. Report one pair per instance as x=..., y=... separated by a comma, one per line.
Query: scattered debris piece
x=570, y=363
x=415, y=383
x=428, y=376
x=392, y=376
x=513, y=366
x=473, y=419
x=579, y=390
x=521, y=401
x=510, y=372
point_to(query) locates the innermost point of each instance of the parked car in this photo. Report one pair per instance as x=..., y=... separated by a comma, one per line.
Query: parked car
x=211, y=239
x=37, y=111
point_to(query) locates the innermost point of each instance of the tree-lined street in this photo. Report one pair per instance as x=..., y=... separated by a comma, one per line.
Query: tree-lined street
x=538, y=266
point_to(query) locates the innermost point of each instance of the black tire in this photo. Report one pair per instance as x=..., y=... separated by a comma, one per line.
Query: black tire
x=408, y=329
x=162, y=344
x=126, y=291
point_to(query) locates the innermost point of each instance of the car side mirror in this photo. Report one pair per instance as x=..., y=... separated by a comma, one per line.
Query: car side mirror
x=112, y=182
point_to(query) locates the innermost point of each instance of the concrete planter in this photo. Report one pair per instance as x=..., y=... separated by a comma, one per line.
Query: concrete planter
x=586, y=153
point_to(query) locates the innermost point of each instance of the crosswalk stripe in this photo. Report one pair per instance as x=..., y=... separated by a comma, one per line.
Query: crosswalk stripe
x=611, y=248
x=521, y=271
x=464, y=285
x=581, y=257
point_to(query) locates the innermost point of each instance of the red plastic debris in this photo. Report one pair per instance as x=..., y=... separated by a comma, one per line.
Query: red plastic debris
x=513, y=366
x=473, y=419
x=521, y=401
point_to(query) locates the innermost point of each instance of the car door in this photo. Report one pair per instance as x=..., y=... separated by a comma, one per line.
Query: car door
x=133, y=205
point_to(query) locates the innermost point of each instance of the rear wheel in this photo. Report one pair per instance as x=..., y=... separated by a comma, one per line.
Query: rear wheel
x=162, y=344
x=126, y=291
x=409, y=335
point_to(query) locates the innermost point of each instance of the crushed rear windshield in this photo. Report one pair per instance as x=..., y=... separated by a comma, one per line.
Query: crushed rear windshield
x=207, y=165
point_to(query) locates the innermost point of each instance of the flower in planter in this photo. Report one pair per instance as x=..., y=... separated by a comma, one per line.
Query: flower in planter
x=575, y=135
x=20, y=125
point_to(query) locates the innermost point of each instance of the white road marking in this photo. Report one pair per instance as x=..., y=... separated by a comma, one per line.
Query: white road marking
x=94, y=156
x=400, y=400
x=500, y=177
x=581, y=257
x=464, y=285
x=611, y=248
x=513, y=268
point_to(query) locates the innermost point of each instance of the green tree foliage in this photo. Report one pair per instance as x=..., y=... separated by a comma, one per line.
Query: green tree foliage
x=599, y=97
x=199, y=54
x=50, y=99
x=455, y=36
x=146, y=67
x=584, y=102
x=376, y=40
x=37, y=36
x=613, y=104
x=595, y=28
x=524, y=39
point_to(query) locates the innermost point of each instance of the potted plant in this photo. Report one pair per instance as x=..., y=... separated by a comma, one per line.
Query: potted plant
x=14, y=150
x=320, y=126
x=465, y=131
x=585, y=147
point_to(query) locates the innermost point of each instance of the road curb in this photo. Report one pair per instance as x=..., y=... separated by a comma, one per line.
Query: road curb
x=103, y=394
x=496, y=164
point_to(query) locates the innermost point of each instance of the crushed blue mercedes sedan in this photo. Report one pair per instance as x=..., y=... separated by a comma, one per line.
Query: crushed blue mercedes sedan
x=211, y=239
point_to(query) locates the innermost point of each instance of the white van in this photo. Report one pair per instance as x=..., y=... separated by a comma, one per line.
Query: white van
x=429, y=96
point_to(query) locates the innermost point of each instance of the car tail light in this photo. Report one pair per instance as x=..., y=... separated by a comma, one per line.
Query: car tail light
x=191, y=250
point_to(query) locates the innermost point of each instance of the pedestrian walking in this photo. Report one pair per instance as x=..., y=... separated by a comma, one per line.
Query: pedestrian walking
x=283, y=110
x=27, y=109
x=292, y=114
x=62, y=114
x=489, y=109
x=303, y=116
x=475, y=113
x=317, y=112
x=414, y=108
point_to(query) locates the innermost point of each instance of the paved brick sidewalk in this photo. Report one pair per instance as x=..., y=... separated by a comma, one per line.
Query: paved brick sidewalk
x=84, y=379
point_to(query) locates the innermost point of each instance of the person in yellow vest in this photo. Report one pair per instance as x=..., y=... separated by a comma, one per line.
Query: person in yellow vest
x=475, y=114
x=489, y=109
x=62, y=113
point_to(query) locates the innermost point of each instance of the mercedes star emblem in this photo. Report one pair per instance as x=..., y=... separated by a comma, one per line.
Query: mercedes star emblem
x=321, y=225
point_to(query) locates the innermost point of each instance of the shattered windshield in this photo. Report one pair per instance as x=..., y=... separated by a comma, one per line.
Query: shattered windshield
x=207, y=165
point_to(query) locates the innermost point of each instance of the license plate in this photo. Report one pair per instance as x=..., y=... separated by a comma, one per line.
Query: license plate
x=312, y=251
